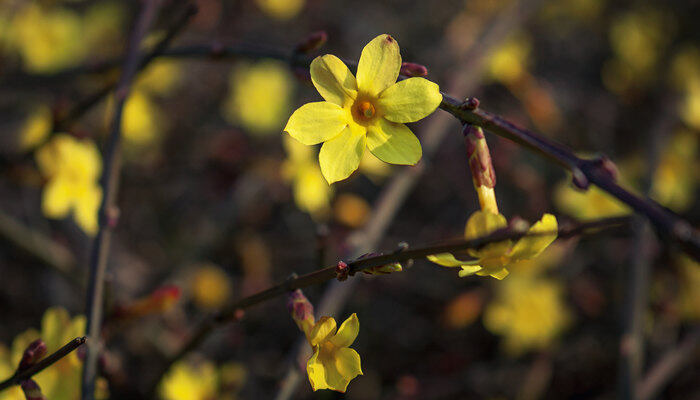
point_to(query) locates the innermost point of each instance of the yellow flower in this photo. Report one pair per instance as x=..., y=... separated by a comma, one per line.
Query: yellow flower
x=259, y=96
x=7, y=368
x=528, y=311
x=367, y=111
x=589, y=204
x=678, y=172
x=37, y=128
x=311, y=193
x=493, y=258
x=186, y=381
x=333, y=364
x=211, y=287
x=142, y=120
x=47, y=39
x=281, y=9
x=509, y=62
x=72, y=167
x=160, y=77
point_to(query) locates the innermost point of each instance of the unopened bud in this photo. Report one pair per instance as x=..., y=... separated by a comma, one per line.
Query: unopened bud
x=301, y=310
x=342, y=270
x=31, y=390
x=312, y=42
x=480, y=163
x=383, y=269
x=608, y=167
x=410, y=69
x=471, y=103
x=32, y=354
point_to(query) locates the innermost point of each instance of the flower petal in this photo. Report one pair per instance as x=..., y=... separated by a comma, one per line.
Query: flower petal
x=87, y=204
x=410, y=100
x=531, y=246
x=347, y=332
x=379, y=65
x=340, y=156
x=393, y=143
x=314, y=123
x=482, y=223
x=324, y=328
x=57, y=198
x=316, y=371
x=348, y=364
x=446, y=260
x=333, y=79
x=469, y=270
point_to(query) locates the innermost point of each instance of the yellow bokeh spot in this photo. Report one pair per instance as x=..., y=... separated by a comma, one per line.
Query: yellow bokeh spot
x=690, y=106
x=311, y=192
x=678, y=172
x=142, y=122
x=689, y=295
x=259, y=97
x=187, y=381
x=36, y=128
x=281, y=9
x=161, y=77
x=509, y=62
x=351, y=210
x=210, y=287
x=589, y=204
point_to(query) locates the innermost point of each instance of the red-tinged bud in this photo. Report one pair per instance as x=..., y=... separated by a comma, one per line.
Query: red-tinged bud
x=608, y=167
x=301, y=310
x=158, y=302
x=578, y=178
x=31, y=390
x=342, y=270
x=412, y=69
x=480, y=162
x=32, y=354
x=471, y=103
x=312, y=42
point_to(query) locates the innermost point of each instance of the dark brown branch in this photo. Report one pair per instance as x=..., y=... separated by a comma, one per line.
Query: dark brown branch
x=204, y=328
x=109, y=182
x=44, y=363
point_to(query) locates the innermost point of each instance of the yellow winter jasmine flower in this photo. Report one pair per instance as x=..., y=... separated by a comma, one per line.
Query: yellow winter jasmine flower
x=333, y=364
x=493, y=258
x=367, y=111
x=311, y=193
x=160, y=77
x=142, y=120
x=678, y=173
x=36, y=128
x=72, y=167
x=528, y=311
x=186, y=381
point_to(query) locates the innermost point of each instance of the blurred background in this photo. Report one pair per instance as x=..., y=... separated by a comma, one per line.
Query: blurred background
x=215, y=203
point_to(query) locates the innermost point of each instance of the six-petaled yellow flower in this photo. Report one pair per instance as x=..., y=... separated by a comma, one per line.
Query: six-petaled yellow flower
x=493, y=258
x=367, y=111
x=72, y=167
x=333, y=364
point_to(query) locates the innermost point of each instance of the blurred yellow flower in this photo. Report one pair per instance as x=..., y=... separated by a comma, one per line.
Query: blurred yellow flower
x=61, y=381
x=528, y=311
x=72, y=167
x=494, y=258
x=187, y=381
x=103, y=28
x=281, y=9
x=7, y=368
x=589, y=204
x=373, y=168
x=47, y=39
x=161, y=77
x=333, y=364
x=210, y=287
x=36, y=128
x=259, y=96
x=367, y=111
x=689, y=295
x=678, y=172
x=351, y=210
x=508, y=63
x=142, y=121
x=311, y=192
x=690, y=107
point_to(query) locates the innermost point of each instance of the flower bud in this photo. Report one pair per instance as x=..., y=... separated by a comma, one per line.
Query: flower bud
x=481, y=167
x=31, y=390
x=301, y=310
x=410, y=69
x=32, y=354
x=383, y=269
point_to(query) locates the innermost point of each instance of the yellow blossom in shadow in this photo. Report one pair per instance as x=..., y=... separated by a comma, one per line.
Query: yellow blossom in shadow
x=281, y=9
x=47, y=38
x=62, y=380
x=210, y=287
x=333, y=364
x=494, y=258
x=36, y=128
x=142, y=123
x=589, y=204
x=161, y=77
x=509, y=62
x=71, y=167
x=6, y=370
x=187, y=381
x=311, y=192
x=689, y=295
x=528, y=312
x=678, y=172
x=259, y=96
x=364, y=112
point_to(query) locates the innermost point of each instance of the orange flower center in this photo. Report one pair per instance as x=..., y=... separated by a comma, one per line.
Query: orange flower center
x=367, y=109
x=363, y=111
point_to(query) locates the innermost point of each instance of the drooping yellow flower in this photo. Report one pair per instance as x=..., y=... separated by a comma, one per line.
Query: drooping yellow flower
x=47, y=39
x=259, y=96
x=333, y=364
x=311, y=193
x=72, y=167
x=493, y=258
x=186, y=381
x=36, y=128
x=528, y=311
x=367, y=111
x=281, y=9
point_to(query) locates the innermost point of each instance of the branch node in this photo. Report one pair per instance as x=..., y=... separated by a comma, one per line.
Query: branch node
x=342, y=271
x=470, y=103
x=578, y=178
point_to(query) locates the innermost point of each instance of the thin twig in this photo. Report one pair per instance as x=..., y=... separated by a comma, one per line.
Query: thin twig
x=109, y=182
x=203, y=329
x=44, y=363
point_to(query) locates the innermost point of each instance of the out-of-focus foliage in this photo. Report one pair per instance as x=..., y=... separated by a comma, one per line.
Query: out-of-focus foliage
x=71, y=167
